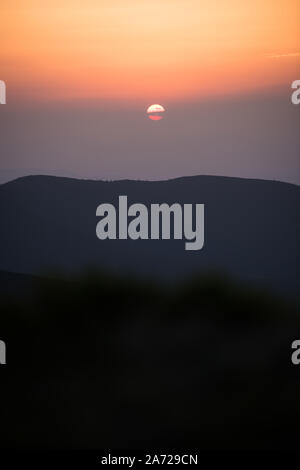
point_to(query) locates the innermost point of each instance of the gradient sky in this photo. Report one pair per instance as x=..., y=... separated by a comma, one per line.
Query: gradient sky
x=80, y=75
x=147, y=48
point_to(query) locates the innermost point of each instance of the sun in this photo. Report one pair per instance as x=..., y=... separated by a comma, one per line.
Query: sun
x=155, y=112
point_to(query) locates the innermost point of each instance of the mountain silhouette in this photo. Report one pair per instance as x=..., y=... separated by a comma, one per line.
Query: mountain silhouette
x=251, y=228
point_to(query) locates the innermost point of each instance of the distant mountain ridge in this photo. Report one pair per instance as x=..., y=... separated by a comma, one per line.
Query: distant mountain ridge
x=252, y=228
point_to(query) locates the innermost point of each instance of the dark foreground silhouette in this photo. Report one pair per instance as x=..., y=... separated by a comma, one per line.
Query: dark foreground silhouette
x=99, y=362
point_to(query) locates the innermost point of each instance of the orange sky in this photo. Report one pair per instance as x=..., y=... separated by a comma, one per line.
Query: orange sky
x=147, y=49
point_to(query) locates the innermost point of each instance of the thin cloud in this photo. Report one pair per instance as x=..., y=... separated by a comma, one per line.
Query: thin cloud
x=282, y=56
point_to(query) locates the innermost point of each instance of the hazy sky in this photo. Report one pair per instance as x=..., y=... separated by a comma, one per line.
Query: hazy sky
x=80, y=75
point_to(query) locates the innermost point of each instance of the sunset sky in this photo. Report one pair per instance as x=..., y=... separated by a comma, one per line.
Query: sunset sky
x=80, y=76
x=143, y=49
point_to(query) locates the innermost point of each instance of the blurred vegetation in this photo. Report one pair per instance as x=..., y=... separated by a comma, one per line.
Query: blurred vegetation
x=99, y=361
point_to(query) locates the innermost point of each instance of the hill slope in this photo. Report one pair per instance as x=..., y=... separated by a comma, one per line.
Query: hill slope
x=251, y=228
